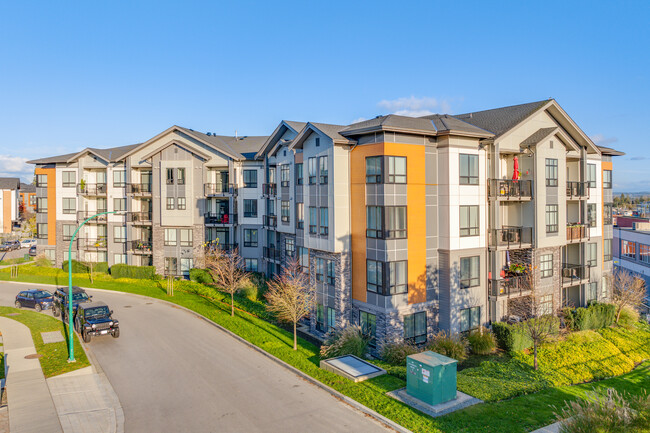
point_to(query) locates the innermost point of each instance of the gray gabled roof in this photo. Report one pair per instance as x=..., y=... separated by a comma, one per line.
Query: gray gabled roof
x=9, y=183
x=237, y=147
x=609, y=151
x=332, y=131
x=53, y=159
x=27, y=187
x=113, y=154
x=445, y=123
x=436, y=124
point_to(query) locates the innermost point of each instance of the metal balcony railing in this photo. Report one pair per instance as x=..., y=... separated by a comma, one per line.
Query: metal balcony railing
x=269, y=189
x=85, y=214
x=510, y=286
x=577, y=190
x=577, y=233
x=219, y=189
x=93, y=244
x=270, y=221
x=215, y=218
x=91, y=189
x=138, y=188
x=573, y=275
x=141, y=247
x=511, y=238
x=213, y=245
x=504, y=189
x=139, y=217
x=271, y=253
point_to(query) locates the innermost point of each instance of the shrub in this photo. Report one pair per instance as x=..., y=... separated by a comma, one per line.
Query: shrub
x=481, y=342
x=510, y=338
x=42, y=261
x=628, y=318
x=596, y=316
x=77, y=267
x=451, y=345
x=137, y=272
x=348, y=341
x=200, y=276
x=101, y=267
x=396, y=353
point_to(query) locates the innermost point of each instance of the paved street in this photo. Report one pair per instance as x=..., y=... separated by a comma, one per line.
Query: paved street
x=175, y=372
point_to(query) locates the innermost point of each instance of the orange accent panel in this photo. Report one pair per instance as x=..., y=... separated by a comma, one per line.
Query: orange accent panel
x=6, y=211
x=51, y=202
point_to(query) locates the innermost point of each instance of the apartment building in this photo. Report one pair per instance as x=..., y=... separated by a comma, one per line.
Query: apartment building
x=9, y=216
x=405, y=225
x=27, y=200
x=631, y=251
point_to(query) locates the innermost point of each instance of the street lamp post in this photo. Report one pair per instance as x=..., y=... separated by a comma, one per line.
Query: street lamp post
x=70, y=328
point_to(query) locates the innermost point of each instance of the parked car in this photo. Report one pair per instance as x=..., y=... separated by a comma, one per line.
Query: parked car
x=93, y=319
x=10, y=246
x=27, y=243
x=36, y=299
x=32, y=250
x=79, y=296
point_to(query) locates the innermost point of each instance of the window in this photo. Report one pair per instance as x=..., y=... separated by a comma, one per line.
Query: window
x=250, y=265
x=171, y=265
x=101, y=205
x=607, y=179
x=69, y=205
x=170, y=203
x=272, y=175
x=607, y=250
x=374, y=276
x=368, y=323
x=469, y=221
x=324, y=221
x=250, y=178
x=41, y=204
x=386, y=278
x=644, y=253
x=312, y=170
x=415, y=328
x=396, y=169
x=313, y=220
x=607, y=215
x=69, y=179
x=186, y=237
x=591, y=175
x=551, y=218
x=303, y=258
x=290, y=246
x=374, y=222
x=41, y=180
x=373, y=169
x=68, y=231
x=470, y=272
x=299, y=177
x=284, y=211
x=41, y=230
x=331, y=276
x=331, y=318
x=551, y=172
x=470, y=319
x=468, y=169
x=32, y=200
x=546, y=265
x=396, y=222
x=170, y=237
x=592, y=291
x=119, y=204
x=250, y=208
x=317, y=141
x=592, y=216
x=66, y=255
x=546, y=305
x=285, y=174
x=323, y=169
x=300, y=215
x=397, y=281
x=320, y=318
x=186, y=265
x=628, y=249
x=170, y=176
x=119, y=234
x=181, y=176
x=119, y=259
x=250, y=237
x=181, y=203
x=604, y=288
x=119, y=178
x=320, y=269
x=592, y=254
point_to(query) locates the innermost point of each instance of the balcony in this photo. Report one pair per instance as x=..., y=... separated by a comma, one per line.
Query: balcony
x=83, y=215
x=141, y=247
x=144, y=218
x=215, y=245
x=141, y=189
x=271, y=253
x=577, y=190
x=510, y=286
x=577, y=233
x=270, y=221
x=91, y=189
x=269, y=189
x=219, y=189
x=574, y=275
x=214, y=218
x=511, y=238
x=93, y=244
x=510, y=190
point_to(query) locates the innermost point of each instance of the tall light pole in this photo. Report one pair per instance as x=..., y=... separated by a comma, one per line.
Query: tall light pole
x=70, y=328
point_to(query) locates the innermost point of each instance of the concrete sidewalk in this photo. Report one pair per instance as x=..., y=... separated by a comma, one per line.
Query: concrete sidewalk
x=552, y=428
x=76, y=402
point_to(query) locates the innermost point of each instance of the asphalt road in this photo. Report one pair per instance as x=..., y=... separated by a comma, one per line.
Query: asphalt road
x=174, y=372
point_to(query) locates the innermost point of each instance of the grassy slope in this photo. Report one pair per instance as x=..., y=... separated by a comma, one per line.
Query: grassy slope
x=55, y=355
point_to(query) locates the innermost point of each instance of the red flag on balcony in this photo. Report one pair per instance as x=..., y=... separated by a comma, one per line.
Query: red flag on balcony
x=516, y=175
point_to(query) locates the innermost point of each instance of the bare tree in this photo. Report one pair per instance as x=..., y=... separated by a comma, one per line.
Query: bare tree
x=628, y=291
x=290, y=297
x=227, y=271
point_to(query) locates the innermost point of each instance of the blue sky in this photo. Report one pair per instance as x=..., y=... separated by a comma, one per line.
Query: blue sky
x=100, y=74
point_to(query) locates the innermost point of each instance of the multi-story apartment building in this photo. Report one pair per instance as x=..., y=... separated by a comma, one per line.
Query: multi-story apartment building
x=27, y=200
x=405, y=225
x=632, y=252
x=9, y=205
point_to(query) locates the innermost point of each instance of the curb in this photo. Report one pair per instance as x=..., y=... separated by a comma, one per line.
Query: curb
x=353, y=403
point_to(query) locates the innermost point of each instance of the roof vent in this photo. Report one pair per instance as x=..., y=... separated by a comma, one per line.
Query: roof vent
x=209, y=134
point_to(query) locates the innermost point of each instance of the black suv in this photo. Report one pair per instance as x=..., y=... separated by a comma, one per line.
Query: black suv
x=60, y=306
x=94, y=318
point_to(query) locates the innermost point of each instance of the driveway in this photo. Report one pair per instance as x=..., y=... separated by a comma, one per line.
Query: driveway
x=174, y=372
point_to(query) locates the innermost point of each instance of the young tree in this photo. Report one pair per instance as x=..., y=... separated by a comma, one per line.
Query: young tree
x=628, y=291
x=290, y=297
x=227, y=270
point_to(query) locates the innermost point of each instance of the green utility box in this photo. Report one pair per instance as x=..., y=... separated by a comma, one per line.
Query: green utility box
x=431, y=377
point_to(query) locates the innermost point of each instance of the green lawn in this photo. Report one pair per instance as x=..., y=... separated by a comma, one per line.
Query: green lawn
x=55, y=355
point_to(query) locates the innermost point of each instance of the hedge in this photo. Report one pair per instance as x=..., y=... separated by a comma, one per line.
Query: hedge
x=595, y=316
x=137, y=272
x=510, y=338
x=84, y=267
x=200, y=276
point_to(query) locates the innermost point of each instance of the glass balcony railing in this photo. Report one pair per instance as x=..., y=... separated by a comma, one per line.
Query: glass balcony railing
x=504, y=189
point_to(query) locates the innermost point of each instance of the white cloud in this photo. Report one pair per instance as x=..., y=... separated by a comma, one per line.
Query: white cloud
x=360, y=119
x=15, y=166
x=601, y=140
x=415, y=107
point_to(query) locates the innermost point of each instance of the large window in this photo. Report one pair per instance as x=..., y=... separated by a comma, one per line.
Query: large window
x=607, y=179
x=186, y=237
x=415, y=328
x=592, y=254
x=119, y=204
x=628, y=249
x=300, y=215
x=386, y=222
x=591, y=175
x=396, y=169
x=313, y=220
x=41, y=205
x=386, y=278
x=551, y=218
x=373, y=169
x=250, y=178
x=470, y=272
x=285, y=175
x=299, y=175
x=331, y=318
x=181, y=176
x=368, y=323
x=119, y=259
x=320, y=318
x=250, y=265
x=250, y=237
x=470, y=319
x=313, y=170
x=186, y=265
x=119, y=234
x=397, y=280
x=331, y=275
x=290, y=247
x=170, y=176
x=468, y=169
x=250, y=208
x=374, y=276
x=181, y=203
x=551, y=172
x=322, y=161
x=324, y=221
x=69, y=205
x=69, y=179
x=68, y=231
x=592, y=292
x=607, y=216
x=644, y=253
x=469, y=225
x=592, y=215
x=546, y=265
x=374, y=222
x=41, y=230
x=320, y=269
x=607, y=250
x=170, y=237
x=284, y=211
x=303, y=258
x=41, y=180
x=119, y=178
x=546, y=305
x=171, y=203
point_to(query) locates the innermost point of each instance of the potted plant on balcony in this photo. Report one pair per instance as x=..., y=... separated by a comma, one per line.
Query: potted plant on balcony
x=82, y=185
x=517, y=268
